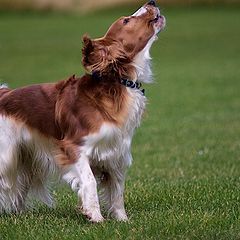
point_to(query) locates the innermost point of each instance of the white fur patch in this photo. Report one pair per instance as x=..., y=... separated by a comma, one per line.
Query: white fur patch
x=140, y=11
x=142, y=63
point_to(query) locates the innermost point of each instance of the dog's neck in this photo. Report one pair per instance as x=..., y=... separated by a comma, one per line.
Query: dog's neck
x=142, y=63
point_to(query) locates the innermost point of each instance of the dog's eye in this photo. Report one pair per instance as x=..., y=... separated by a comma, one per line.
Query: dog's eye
x=125, y=21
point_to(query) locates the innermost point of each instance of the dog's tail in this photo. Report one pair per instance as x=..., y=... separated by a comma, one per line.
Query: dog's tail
x=3, y=88
x=3, y=85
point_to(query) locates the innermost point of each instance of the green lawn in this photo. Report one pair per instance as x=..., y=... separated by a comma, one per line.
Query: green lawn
x=185, y=179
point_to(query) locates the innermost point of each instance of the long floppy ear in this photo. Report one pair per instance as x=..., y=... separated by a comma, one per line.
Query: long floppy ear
x=105, y=57
x=92, y=54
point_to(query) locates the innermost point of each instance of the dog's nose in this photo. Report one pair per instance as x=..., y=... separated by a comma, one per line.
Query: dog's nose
x=152, y=2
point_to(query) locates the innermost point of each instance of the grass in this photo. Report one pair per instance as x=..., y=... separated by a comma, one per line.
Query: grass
x=185, y=179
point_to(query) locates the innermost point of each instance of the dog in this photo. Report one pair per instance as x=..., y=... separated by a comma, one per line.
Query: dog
x=80, y=128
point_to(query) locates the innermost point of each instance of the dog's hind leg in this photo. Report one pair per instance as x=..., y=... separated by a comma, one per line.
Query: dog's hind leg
x=23, y=184
x=9, y=194
x=25, y=176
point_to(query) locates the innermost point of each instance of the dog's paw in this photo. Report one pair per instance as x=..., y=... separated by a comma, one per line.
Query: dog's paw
x=93, y=216
x=120, y=215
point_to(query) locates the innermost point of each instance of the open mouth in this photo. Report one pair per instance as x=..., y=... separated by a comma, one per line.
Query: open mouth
x=155, y=19
x=159, y=22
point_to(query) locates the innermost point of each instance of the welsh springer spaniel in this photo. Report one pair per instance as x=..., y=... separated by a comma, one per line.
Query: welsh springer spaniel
x=81, y=128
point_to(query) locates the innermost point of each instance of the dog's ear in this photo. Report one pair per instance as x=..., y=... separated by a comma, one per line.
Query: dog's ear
x=94, y=54
x=86, y=50
x=104, y=57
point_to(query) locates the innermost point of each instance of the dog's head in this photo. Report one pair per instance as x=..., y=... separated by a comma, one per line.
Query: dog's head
x=128, y=37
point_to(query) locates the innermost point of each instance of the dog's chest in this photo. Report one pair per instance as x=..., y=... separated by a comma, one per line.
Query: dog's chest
x=112, y=144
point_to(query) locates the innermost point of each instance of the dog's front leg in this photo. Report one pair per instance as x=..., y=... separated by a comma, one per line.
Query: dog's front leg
x=88, y=191
x=117, y=208
x=82, y=181
x=112, y=193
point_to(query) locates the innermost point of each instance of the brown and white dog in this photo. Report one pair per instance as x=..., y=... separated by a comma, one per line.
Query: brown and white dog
x=81, y=128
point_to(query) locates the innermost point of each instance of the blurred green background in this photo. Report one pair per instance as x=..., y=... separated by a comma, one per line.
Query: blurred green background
x=89, y=5
x=185, y=178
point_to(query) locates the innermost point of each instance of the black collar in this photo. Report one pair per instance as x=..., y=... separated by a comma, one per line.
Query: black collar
x=132, y=84
x=125, y=82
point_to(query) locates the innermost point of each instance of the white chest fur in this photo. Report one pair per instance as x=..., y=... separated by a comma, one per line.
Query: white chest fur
x=111, y=145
